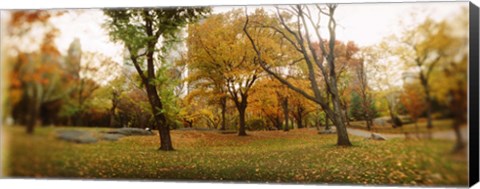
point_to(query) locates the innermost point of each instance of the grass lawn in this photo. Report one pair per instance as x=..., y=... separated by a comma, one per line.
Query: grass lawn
x=438, y=125
x=298, y=156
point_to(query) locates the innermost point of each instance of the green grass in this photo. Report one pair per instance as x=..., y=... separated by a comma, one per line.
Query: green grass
x=438, y=125
x=298, y=156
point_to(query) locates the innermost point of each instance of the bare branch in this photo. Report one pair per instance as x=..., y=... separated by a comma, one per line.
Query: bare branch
x=264, y=66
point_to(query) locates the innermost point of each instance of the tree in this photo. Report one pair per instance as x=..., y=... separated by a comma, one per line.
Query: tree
x=115, y=101
x=133, y=109
x=355, y=107
x=203, y=60
x=39, y=79
x=300, y=106
x=297, y=35
x=414, y=101
x=449, y=83
x=363, y=90
x=385, y=72
x=423, y=44
x=199, y=109
x=360, y=110
x=223, y=61
x=35, y=77
x=80, y=65
x=345, y=56
x=266, y=101
x=146, y=33
x=434, y=49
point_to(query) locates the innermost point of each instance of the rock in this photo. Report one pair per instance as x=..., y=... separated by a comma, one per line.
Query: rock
x=376, y=136
x=112, y=137
x=76, y=136
x=130, y=131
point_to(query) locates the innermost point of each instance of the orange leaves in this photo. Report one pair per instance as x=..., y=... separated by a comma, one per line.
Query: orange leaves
x=14, y=80
x=15, y=95
x=50, y=49
x=413, y=98
x=22, y=22
x=35, y=77
x=20, y=17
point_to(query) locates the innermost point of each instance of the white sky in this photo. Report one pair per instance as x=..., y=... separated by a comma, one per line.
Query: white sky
x=86, y=25
x=366, y=24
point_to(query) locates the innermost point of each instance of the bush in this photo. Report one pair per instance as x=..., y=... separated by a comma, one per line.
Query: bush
x=255, y=124
x=357, y=112
x=397, y=122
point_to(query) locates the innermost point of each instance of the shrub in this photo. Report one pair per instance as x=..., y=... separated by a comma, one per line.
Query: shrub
x=255, y=124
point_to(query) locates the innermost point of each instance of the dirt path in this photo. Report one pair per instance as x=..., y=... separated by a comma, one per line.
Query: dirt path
x=446, y=135
x=363, y=133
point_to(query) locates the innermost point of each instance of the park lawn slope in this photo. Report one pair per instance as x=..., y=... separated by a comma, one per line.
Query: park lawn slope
x=299, y=156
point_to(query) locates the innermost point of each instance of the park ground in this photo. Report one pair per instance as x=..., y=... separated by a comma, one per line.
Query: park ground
x=442, y=130
x=297, y=156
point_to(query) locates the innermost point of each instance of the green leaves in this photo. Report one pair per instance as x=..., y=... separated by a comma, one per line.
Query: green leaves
x=148, y=35
x=128, y=25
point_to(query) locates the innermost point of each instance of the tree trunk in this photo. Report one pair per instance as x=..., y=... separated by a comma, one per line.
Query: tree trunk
x=392, y=116
x=299, y=122
x=459, y=144
x=369, y=124
x=428, y=99
x=285, y=113
x=112, y=119
x=223, y=103
x=459, y=107
x=153, y=97
x=160, y=119
x=278, y=123
x=165, y=140
x=429, y=112
x=241, y=113
x=310, y=57
x=299, y=118
x=327, y=123
x=342, y=134
x=241, y=105
x=33, y=112
x=189, y=123
x=114, y=107
x=368, y=120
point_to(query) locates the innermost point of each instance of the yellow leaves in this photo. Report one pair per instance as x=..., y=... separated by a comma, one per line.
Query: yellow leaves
x=265, y=156
x=399, y=164
x=396, y=175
